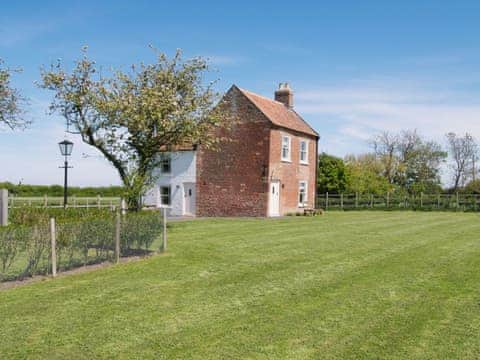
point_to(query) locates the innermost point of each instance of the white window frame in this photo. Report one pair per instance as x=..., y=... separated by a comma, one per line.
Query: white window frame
x=289, y=148
x=305, y=161
x=303, y=185
x=166, y=157
x=169, y=195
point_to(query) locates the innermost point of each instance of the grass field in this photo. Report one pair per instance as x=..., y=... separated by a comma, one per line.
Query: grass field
x=345, y=285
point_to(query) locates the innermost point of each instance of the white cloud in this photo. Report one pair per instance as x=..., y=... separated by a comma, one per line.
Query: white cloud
x=348, y=116
x=363, y=111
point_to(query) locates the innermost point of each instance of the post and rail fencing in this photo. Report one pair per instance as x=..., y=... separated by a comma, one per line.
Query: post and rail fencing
x=392, y=201
x=57, y=201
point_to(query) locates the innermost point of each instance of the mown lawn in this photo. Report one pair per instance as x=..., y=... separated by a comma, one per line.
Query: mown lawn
x=345, y=285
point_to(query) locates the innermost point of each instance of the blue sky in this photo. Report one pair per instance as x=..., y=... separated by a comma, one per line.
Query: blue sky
x=357, y=67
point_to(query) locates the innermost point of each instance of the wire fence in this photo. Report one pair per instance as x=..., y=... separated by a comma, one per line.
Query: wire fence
x=391, y=201
x=47, y=247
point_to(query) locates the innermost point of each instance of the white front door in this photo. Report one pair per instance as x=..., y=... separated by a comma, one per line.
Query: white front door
x=274, y=199
x=189, y=198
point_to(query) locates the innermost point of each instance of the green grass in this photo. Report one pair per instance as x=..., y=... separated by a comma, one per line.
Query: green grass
x=345, y=285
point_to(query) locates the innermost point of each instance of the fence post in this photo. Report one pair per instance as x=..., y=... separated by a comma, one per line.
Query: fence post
x=98, y=201
x=388, y=199
x=4, y=207
x=326, y=200
x=341, y=201
x=54, y=246
x=164, y=233
x=356, y=199
x=421, y=200
x=45, y=200
x=438, y=201
x=117, y=238
x=371, y=201
x=74, y=201
x=474, y=202
x=123, y=206
x=458, y=204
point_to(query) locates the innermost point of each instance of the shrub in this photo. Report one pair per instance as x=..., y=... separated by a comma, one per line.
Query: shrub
x=37, y=240
x=139, y=230
x=12, y=242
x=28, y=215
x=82, y=237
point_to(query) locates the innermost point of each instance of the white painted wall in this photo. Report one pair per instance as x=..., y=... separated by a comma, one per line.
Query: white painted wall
x=183, y=170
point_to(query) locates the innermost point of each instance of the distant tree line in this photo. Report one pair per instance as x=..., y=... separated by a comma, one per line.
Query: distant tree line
x=57, y=190
x=404, y=162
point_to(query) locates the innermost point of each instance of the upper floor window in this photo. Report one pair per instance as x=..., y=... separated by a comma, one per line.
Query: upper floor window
x=303, y=151
x=286, y=145
x=166, y=164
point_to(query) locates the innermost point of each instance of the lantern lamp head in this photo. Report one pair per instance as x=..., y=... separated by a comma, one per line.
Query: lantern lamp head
x=66, y=147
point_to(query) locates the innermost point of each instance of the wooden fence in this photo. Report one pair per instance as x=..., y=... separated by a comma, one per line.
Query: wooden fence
x=391, y=201
x=57, y=202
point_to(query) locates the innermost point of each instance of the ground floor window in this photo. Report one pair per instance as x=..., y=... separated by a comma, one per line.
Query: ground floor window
x=165, y=195
x=302, y=193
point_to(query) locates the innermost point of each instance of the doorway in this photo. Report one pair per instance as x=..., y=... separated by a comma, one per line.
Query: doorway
x=189, y=199
x=274, y=199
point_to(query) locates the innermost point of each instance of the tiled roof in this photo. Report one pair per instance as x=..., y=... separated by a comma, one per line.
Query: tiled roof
x=279, y=114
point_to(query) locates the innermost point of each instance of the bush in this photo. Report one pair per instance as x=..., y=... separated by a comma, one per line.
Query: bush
x=139, y=230
x=86, y=241
x=82, y=237
x=12, y=242
x=28, y=215
x=25, y=248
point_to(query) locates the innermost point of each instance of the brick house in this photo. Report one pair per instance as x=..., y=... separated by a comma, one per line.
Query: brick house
x=268, y=168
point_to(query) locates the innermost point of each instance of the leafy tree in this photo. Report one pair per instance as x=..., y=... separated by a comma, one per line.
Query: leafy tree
x=385, y=146
x=463, y=151
x=11, y=102
x=408, y=161
x=473, y=187
x=130, y=117
x=365, y=174
x=332, y=174
x=421, y=160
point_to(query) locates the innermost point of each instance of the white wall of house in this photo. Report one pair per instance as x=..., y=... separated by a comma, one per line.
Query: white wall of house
x=183, y=171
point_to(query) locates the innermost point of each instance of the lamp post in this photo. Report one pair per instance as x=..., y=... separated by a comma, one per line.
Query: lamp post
x=66, y=150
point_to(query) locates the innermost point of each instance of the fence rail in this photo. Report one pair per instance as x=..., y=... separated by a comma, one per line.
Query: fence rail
x=455, y=202
x=57, y=202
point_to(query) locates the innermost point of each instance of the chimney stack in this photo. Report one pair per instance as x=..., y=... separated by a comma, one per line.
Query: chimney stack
x=284, y=95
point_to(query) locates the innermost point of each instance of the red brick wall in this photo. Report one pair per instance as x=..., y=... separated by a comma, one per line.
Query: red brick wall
x=229, y=181
x=291, y=173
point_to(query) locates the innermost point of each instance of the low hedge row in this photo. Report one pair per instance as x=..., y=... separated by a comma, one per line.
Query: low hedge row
x=25, y=250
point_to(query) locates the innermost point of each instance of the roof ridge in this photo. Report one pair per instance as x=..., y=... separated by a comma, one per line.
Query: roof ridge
x=263, y=104
x=263, y=97
x=306, y=123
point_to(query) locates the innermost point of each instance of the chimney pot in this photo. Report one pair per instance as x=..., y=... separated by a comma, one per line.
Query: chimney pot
x=284, y=95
